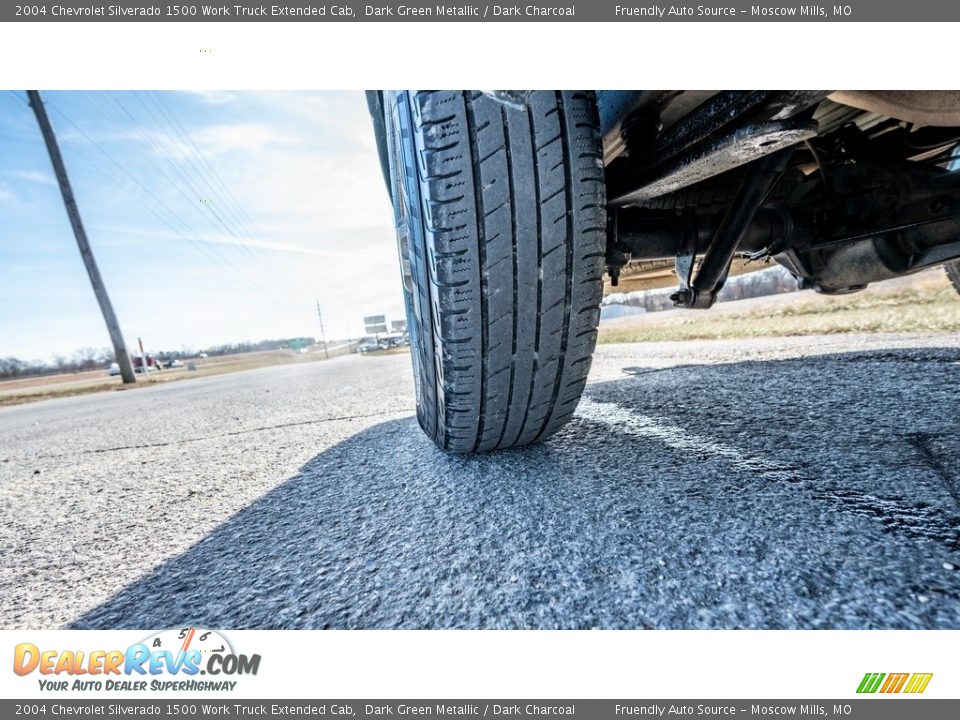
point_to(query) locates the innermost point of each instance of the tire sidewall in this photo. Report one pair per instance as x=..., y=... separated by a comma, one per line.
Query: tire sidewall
x=412, y=250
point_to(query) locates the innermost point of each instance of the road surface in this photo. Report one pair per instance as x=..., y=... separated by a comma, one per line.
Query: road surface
x=777, y=483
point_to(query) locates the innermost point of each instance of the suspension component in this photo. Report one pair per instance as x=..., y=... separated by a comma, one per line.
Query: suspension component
x=874, y=224
x=715, y=265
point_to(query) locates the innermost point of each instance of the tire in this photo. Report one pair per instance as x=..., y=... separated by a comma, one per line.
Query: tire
x=953, y=272
x=501, y=225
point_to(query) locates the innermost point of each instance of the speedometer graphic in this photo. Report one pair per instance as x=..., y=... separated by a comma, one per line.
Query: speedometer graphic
x=182, y=640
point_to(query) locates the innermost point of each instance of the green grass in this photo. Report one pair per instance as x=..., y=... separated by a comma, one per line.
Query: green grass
x=930, y=305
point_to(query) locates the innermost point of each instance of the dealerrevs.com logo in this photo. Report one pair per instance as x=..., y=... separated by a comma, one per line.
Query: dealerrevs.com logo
x=169, y=660
x=888, y=683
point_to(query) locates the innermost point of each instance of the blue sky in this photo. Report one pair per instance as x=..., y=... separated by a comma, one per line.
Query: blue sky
x=215, y=217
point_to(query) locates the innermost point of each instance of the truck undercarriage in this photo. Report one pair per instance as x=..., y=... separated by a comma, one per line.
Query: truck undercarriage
x=842, y=188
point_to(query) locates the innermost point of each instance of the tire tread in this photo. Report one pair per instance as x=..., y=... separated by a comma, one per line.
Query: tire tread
x=514, y=217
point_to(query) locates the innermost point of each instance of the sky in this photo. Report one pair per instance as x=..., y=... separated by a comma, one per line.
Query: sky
x=215, y=217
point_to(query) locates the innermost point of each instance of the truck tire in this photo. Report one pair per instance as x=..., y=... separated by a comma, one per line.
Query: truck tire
x=953, y=272
x=501, y=225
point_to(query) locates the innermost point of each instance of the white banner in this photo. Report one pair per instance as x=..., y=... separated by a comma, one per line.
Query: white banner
x=464, y=664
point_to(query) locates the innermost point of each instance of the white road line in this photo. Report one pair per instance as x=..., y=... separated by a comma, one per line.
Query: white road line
x=622, y=420
x=915, y=520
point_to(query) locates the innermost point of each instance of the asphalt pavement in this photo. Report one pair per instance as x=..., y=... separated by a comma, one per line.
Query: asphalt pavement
x=771, y=483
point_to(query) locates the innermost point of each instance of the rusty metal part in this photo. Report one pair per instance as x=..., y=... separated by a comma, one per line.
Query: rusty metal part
x=741, y=146
x=727, y=109
x=939, y=108
x=643, y=275
x=640, y=275
x=725, y=130
x=707, y=120
x=616, y=256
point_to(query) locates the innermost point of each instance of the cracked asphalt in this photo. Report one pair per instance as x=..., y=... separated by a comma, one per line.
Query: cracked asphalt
x=770, y=483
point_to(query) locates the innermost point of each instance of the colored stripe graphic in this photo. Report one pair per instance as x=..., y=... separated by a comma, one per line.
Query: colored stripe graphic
x=870, y=682
x=894, y=683
x=918, y=682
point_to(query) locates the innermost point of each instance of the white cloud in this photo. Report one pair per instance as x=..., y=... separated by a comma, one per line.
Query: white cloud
x=211, y=141
x=212, y=97
x=262, y=243
x=33, y=176
x=249, y=137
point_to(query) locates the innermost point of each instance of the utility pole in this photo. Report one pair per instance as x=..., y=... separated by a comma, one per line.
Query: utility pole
x=99, y=289
x=143, y=359
x=323, y=337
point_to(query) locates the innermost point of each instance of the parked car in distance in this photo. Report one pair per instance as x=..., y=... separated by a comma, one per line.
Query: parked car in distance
x=367, y=344
x=394, y=340
x=151, y=363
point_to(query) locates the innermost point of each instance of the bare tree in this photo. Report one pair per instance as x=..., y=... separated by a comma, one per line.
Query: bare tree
x=87, y=358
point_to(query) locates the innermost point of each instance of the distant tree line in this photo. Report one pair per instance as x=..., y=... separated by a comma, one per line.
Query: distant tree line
x=246, y=347
x=100, y=358
x=772, y=281
x=82, y=359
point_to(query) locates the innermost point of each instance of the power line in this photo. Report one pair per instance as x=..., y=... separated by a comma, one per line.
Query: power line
x=215, y=218
x=193, y=176
x=205, y=248
x=187, y=155
x=24, y=101
x=255, y=252
x=206, y=169
x=201, y=246
x=232, y=203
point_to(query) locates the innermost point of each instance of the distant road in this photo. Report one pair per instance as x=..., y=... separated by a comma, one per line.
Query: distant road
x=30, y=389
x=797, y=482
